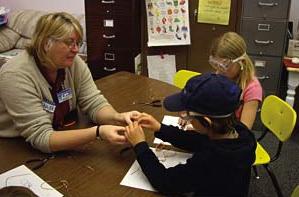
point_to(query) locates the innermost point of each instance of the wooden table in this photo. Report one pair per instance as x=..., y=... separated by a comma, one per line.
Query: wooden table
x=97, y=168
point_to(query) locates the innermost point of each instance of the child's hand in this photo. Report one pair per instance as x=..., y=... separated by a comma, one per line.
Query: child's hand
x=149, y=122
x=183, y=123
x=134, y=133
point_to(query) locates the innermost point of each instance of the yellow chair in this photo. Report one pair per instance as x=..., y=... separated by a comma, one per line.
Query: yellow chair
x=182, y=76
x=295, y=193
x=279, y=118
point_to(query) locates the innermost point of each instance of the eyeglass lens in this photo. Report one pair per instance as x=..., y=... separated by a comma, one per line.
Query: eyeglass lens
x=72, y=43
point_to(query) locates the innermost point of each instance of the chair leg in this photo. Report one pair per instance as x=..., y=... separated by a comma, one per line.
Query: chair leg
x=255, y=172
x=274, y=180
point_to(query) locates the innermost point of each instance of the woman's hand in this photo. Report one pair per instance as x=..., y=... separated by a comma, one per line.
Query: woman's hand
x=128, y=117
x=134, y=133
x=149, y=122
x=113, y=134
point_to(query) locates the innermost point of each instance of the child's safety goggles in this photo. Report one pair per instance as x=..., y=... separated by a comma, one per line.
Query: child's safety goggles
x=188, y=115
x=222, y=63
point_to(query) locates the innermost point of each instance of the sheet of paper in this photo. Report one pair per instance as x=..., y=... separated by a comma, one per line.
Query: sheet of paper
x=161, y=68
x=214, y=12
x=23, y=176
x=135, y=177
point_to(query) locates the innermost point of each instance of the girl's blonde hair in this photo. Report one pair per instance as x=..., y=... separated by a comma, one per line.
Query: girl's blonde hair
x=231, y=46
x=53, y=26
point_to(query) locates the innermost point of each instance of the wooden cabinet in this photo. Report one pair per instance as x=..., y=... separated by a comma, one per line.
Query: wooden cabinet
x=113, y=35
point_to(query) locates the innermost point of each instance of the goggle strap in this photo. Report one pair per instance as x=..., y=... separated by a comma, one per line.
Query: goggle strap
x=239, y=58
x=191, y=113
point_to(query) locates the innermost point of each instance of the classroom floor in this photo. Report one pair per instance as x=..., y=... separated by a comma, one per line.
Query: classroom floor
x=286, y=168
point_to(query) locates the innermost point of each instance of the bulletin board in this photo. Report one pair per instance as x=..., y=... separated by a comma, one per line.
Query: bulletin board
x=168, y=22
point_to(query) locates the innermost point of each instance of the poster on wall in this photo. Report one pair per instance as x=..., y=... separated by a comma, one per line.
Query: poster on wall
x=168, y=22
x=214, y=11
x=161, y=67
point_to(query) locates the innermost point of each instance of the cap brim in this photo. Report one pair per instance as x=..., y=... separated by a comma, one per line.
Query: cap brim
x=174, y=103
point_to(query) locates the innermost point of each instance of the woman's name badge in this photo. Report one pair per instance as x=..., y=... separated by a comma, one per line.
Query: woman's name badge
x=64, y=95
x=48, y=106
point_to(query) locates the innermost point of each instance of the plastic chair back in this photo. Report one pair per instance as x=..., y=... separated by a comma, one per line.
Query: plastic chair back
x=295, y=193
x=182, y=76
x=278, y=116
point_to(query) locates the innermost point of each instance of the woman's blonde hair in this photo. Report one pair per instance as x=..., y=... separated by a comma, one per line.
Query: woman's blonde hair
x=53, y=26
x=231, y=46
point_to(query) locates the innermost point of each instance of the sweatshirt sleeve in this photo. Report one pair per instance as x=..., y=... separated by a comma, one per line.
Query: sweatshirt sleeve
x=23, y=103
x=187, y=140
x=173, y=180
x=89, y=97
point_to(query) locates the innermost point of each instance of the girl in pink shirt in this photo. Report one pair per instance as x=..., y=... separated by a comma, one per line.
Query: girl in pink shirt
x=229, y=58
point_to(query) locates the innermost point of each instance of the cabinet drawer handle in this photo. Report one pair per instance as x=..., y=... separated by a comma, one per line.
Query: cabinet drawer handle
x=108, y=2
x=268, y=4
x=263, y=77
x=108, y=37
x=265, y=42
x=109, y=69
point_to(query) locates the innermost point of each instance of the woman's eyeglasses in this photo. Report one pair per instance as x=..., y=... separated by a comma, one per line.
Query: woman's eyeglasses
x=72, y=43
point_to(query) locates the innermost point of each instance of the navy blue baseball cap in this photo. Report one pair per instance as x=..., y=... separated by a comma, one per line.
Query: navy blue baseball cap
x=208, y=94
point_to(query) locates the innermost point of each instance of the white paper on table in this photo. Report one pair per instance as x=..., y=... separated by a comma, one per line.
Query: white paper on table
x=23, y=176
x=135, y=177
x=162, y=67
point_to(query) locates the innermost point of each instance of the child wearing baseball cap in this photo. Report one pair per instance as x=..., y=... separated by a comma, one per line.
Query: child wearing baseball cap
x=223, y=148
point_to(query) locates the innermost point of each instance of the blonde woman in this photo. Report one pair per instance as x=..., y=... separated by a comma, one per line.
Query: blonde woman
x=40, y=88
x=228, y=56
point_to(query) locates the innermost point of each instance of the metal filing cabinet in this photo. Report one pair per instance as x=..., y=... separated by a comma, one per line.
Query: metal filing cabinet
x=264, y=26
x=113, y=35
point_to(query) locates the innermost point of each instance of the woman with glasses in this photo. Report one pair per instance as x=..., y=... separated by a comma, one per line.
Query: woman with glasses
x=228, y=56
x=223, y=149
x=41, y=88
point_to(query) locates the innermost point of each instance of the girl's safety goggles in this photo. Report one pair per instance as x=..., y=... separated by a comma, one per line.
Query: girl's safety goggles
x=222, y=63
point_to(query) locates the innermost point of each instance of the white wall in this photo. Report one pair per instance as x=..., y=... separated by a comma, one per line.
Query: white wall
x=294, y=16
x=71, y=6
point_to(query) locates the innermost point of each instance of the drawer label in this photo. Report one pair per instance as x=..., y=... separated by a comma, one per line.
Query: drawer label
x=259, y=63
x=263, y=27
x=109, y=56
x=108, y=23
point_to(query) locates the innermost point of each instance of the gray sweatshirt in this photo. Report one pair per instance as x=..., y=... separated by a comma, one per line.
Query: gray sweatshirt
x=23, y=89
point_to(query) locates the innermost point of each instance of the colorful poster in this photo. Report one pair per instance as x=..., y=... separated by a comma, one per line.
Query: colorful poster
x=168, y=22
x=214, y=11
